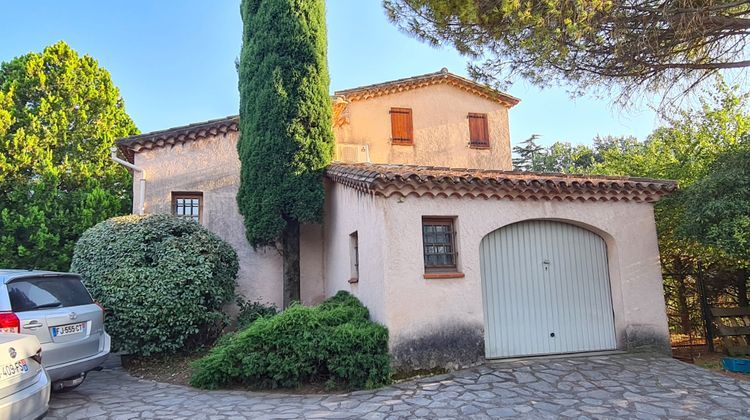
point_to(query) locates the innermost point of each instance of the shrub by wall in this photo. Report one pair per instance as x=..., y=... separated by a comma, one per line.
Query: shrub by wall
x=334, y=342
x=250, y=311
x=162, y=280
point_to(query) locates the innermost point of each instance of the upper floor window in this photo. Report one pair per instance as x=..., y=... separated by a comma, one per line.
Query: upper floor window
x=402, y=130
x=479, y=133
x=188, y=205
x=439, y=241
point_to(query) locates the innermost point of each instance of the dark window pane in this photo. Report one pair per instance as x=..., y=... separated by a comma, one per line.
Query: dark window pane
x=438, y=244
x=51, y=292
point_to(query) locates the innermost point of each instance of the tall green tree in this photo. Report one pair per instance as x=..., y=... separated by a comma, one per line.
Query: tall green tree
x=564, y=157
x=527, y=154
x=286, y=139
x=717, y=206
x=628, y=45
x=59, y=115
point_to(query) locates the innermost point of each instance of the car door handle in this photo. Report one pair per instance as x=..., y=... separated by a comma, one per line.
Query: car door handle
x=33, y=325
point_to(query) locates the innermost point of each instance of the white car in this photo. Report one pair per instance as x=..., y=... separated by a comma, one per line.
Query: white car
x=24, y=384
x=59, y=311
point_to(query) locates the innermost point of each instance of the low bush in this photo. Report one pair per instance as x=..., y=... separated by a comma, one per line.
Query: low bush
x=333, y=343
x=163, y=281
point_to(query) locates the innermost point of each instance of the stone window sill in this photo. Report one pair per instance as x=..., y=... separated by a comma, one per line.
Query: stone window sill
x=455, y=275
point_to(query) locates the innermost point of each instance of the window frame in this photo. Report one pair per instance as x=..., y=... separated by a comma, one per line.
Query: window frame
x=397, y=141
x=192, y=195
x=480, y=144
x=439, y=221
x=354, y=257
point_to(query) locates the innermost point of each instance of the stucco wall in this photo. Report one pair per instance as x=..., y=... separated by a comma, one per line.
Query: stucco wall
x=439, y=322
x=441, y=129
x=348, y=211
x=212, y=166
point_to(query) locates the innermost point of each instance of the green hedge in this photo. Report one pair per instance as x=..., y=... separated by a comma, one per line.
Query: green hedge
x=162, y=280
x=334, y=342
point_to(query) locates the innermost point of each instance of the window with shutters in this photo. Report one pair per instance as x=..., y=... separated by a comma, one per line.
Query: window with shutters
x=479, y=133
x=402, y=131
x=188, y=205
x=438, y=238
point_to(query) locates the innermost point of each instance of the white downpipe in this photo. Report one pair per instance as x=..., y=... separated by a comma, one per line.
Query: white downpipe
x=142, y=192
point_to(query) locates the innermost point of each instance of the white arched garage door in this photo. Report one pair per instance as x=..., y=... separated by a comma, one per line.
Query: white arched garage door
x=546, y=290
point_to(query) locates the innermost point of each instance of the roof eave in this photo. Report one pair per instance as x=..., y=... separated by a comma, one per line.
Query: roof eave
x=410, y=83
x=404, y=180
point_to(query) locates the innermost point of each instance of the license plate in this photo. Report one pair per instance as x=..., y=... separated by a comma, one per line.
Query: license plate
x=68, y=329
x=15, y=369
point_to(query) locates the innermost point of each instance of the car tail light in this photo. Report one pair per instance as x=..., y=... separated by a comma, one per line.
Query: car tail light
x=38, y=356
x=9, y=323
x=104, y=311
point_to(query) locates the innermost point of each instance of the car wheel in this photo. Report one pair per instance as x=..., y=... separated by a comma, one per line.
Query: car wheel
x=67, y=385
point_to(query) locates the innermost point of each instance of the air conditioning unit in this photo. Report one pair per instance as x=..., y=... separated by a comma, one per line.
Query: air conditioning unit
x=352, y=153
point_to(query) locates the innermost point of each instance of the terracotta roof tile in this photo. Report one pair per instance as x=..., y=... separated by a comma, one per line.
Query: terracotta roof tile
x=440, y=77
x=177, y=135
x=403, y=180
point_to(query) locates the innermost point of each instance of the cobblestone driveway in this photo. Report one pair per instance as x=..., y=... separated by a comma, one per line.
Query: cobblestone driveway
x=629, y=386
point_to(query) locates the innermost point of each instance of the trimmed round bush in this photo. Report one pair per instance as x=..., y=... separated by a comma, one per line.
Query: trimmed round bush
x=163, y=281
x=333, y=343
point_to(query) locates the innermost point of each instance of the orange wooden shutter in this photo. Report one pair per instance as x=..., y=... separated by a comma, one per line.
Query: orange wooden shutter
x=479, y=133
x=402, y=131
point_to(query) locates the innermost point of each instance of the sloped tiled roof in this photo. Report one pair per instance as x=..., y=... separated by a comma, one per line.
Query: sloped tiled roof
x=129, y=146
x=403, y=180
x=440, y=77
x=177, y=135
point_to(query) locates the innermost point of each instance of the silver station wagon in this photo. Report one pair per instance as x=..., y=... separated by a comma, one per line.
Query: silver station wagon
x=59, y=311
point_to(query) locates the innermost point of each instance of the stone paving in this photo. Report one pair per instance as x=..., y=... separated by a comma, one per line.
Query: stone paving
x=640, y=386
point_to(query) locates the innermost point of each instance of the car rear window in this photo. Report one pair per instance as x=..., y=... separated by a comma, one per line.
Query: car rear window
x=37, y=293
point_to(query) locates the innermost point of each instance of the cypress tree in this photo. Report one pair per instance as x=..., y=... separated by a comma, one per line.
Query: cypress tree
x=286, y=139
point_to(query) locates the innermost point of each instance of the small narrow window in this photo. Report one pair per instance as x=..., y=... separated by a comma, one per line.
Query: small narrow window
x=402, y=130
x=438, y=237
x=354, y=257
x=188, y=205
x=479, y=133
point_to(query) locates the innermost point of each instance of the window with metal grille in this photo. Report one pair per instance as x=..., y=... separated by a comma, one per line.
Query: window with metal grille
x=402, y=130
x=188, y=205
x=438, y=237
x=479, y=133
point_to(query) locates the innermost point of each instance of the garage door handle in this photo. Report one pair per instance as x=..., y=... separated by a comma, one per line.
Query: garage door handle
x=33, y=325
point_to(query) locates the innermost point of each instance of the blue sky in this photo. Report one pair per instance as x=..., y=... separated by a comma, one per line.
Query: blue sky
x=174, y=61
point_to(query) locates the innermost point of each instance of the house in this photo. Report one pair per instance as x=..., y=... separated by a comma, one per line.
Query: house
x=459, y=264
